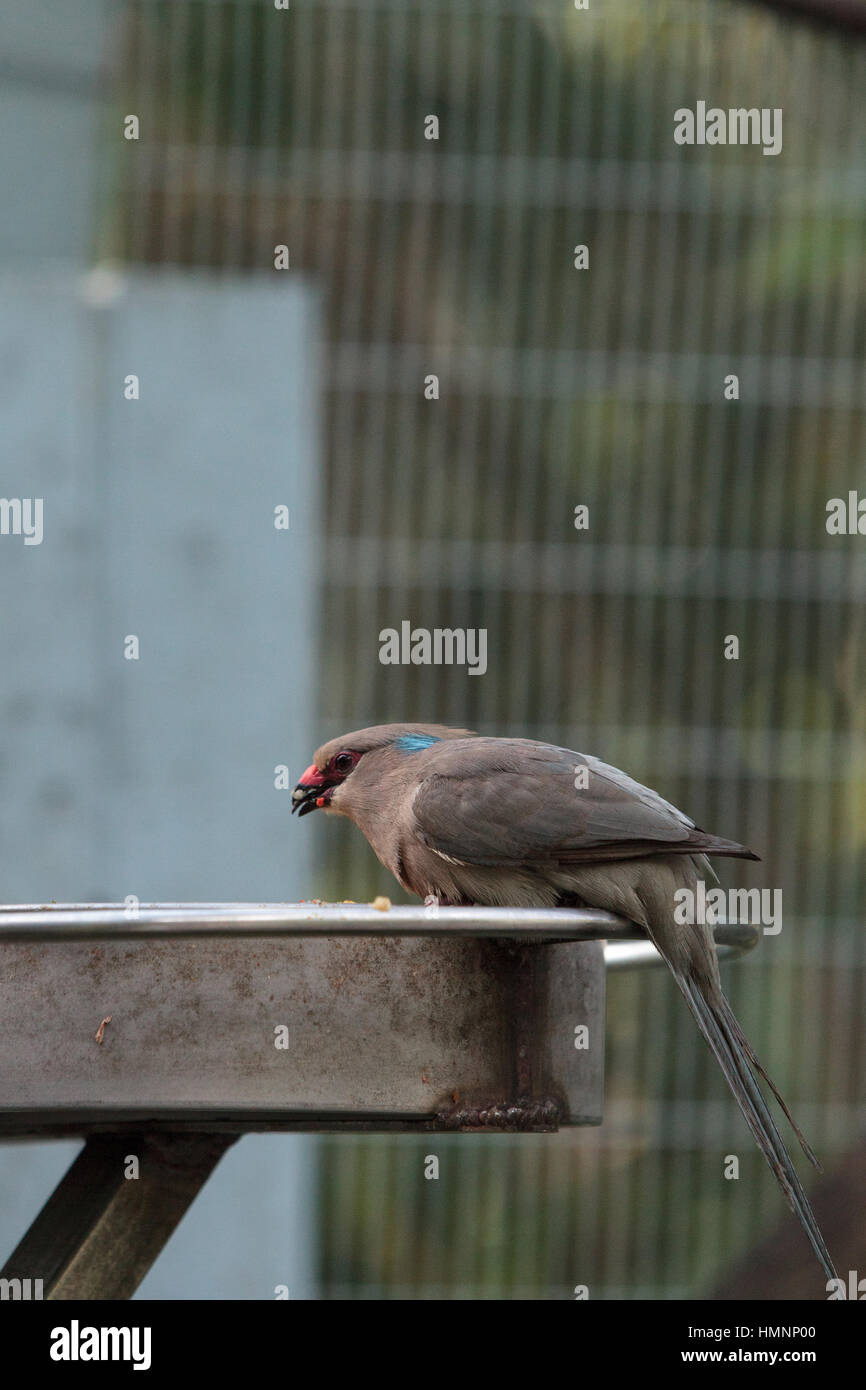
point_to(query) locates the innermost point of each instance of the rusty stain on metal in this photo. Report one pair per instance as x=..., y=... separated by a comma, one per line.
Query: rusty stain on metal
x=509, y=1115
x=523, y=1016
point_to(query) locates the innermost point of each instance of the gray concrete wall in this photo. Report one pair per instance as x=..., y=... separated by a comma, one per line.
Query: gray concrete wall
x=155, y=776
x=51, y=105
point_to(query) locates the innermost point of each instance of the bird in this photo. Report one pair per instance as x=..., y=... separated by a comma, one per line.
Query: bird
x=466, y=819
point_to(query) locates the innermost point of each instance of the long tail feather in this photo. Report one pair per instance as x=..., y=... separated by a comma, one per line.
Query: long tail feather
x=741, y=1038
x=736, y=1059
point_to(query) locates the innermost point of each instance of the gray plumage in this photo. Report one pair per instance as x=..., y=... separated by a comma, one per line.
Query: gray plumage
x=508, y=823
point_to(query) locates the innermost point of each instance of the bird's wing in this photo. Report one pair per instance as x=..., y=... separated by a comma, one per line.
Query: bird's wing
x=514, y=801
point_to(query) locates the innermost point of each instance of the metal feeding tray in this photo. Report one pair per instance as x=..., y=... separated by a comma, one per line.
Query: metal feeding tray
x=303, y=1016
x=187, y=1024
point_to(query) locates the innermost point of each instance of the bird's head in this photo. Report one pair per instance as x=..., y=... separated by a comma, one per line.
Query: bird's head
x=320, y=787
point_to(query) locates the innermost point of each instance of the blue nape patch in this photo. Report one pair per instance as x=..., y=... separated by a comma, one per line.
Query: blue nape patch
x=415, y=743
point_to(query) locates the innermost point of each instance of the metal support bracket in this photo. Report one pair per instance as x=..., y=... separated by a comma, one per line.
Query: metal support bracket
x=107, y=1220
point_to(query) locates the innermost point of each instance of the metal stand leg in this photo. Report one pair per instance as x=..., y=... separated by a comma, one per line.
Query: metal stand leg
x=101, y=1230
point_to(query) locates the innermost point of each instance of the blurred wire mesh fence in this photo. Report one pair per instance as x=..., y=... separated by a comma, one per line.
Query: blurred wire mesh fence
x=558, y=387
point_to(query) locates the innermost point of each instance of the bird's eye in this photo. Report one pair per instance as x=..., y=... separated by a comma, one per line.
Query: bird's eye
x=344, y=762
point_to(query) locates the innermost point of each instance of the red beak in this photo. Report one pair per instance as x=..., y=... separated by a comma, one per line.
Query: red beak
x=305, y=797
x=312, y=777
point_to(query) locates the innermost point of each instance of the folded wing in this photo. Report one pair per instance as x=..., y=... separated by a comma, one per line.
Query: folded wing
x=518, y=802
